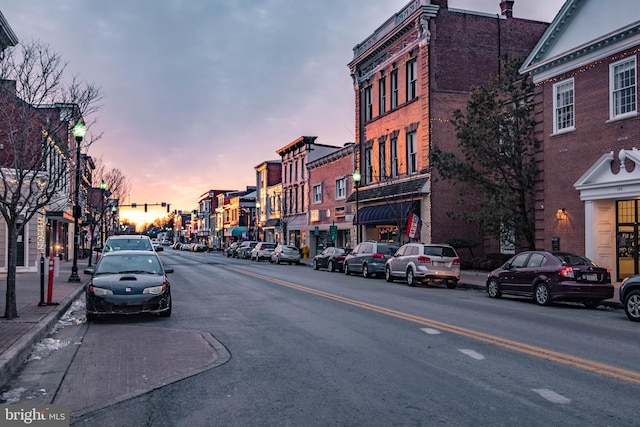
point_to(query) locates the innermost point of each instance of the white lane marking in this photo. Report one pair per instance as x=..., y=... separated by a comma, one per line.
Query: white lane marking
x=471, y=353
x=551, y=396
x=430, y=331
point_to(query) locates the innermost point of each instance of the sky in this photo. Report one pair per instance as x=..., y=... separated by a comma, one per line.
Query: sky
x=199, y=92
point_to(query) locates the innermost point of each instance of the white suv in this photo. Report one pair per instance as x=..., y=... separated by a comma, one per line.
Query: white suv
x=417, y=262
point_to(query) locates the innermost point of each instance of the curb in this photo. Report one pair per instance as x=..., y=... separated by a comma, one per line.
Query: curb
x=12, y=359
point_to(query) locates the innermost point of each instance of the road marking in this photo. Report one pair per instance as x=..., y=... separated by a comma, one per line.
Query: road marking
x=542, y=353
x=430, y=331
x=551, y=396
x=471, y=353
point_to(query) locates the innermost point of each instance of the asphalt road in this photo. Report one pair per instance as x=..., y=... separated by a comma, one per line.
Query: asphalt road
x=260, y=344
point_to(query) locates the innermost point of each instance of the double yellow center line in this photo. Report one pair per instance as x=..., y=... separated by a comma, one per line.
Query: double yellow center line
x=565, y=359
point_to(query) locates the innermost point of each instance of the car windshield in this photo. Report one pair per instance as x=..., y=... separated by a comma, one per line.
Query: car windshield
x=289, y=249
x=128, y=244
x=128, y=263
x=443, y=251
x=574, y=259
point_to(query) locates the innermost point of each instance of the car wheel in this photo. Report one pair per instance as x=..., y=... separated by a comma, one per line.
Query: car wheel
x=315, y=264
x=411, y=280
x=452, y=284
x=331, y=267
x=346, y=269
x=278, y=260
x=542, y=294
x=632, y=305
x=591, y=303
x=365, y=272
x=387, y=274
x=270, y=261
x=493, y=288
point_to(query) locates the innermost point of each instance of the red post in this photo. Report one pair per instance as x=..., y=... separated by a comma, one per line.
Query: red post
x=50, y=288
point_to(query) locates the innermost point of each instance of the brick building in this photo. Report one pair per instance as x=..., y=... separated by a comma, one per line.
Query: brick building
x=330, y=182
x=585, y=68
x=409, y=76
x=268, y=200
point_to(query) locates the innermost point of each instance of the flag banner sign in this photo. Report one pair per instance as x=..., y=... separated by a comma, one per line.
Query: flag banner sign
x=414, y=225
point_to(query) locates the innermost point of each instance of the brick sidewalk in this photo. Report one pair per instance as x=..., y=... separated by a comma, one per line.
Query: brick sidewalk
x=17, y=336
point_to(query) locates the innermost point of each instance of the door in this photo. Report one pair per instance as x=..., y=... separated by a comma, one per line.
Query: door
x=627, y=238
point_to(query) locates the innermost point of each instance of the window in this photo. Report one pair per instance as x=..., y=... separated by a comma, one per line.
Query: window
x=341, y=188
x=623, y=87
x=368, y=104
x=412, y=77
x=394, y=157
x=382, y=95
x=563, y=106
x=382, y=160
x=317, y=193
x=412, y=153
x=394, y=89
x=368, y=165
x=296, y=173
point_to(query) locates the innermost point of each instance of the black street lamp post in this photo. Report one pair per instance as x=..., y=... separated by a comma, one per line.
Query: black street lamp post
x=103, y=187
x=356, y=182
x=78, y=132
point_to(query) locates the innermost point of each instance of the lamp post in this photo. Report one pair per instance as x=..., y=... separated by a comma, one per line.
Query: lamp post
x=103, y=187
x=356, y=182
x=78, y=132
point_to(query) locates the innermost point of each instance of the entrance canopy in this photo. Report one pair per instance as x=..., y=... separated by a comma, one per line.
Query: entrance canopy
x=235, y=231
x=389, y=213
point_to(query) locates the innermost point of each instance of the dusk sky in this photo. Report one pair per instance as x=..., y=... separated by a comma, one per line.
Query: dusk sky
x=198, y=92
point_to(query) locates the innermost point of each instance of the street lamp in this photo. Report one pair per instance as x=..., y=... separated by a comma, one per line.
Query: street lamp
x=103, y=187
x=79, y=131
x=356, y=182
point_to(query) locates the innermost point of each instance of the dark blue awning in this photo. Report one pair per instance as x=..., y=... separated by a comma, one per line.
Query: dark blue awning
x=389, y=213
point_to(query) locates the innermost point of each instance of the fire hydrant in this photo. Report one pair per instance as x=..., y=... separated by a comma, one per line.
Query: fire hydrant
x=305, y=252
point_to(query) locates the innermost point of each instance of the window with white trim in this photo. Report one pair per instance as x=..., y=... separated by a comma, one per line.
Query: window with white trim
x=563, y=106
x=341, y=188
x=394, y=89
x=412, y=153
x=368, y=165
x=317, y=193
x=394, y=157
x=382, y=95
x=412, y=80
x=368, y=104
x=623, y=88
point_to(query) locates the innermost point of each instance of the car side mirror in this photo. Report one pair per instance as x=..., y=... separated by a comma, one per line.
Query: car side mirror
x=168, y=270
x=507, y=266
x=89, y=271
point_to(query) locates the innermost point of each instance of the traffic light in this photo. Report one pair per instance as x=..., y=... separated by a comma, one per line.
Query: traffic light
x=145, y=207
x=134, y=205
x=168, y=208
x=195, y=213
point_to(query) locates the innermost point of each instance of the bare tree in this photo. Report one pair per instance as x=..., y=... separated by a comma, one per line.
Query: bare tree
x=38, y=109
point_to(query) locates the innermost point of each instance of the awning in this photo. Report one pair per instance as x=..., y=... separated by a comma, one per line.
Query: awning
x=272, y=223
x=60, y=216
x=235, y=231
x=390, y=213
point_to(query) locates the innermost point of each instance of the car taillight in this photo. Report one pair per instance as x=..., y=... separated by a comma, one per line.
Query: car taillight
x=377, y=256
x=424, y=259
x=567, y=272
x=456, y=261
x=340, y=257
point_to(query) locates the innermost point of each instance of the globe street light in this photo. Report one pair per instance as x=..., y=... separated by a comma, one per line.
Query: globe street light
x=79, y=131
x=103, y=187
x=356, y=182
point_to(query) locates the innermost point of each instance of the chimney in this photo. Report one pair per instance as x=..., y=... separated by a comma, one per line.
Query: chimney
x=506, y=8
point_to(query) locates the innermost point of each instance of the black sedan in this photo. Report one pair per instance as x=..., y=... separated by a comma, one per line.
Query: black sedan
x=332, y=258
x=552, y=276
x=128, y=282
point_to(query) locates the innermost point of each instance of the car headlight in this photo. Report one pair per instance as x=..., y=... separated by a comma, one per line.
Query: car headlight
x=156, y=290
x=100, y=292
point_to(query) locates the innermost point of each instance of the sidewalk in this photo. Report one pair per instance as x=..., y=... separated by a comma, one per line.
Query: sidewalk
x=17, y=336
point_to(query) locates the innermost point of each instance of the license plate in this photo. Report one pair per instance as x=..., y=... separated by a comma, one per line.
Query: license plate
x=438, y=263
x=591, y=277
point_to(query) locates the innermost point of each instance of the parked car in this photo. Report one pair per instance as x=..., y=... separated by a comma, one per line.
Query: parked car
x=244, y=250
x=369, y=258
x=331, y=258
x=229, y=252
x=418, y=262
x=128, y=242
x=630, y=297
x=186, y=246
x=285, y=253
x=199, y=247
x=262, y=250
x=128, y=282
x=552, y=276
x=157, y=246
